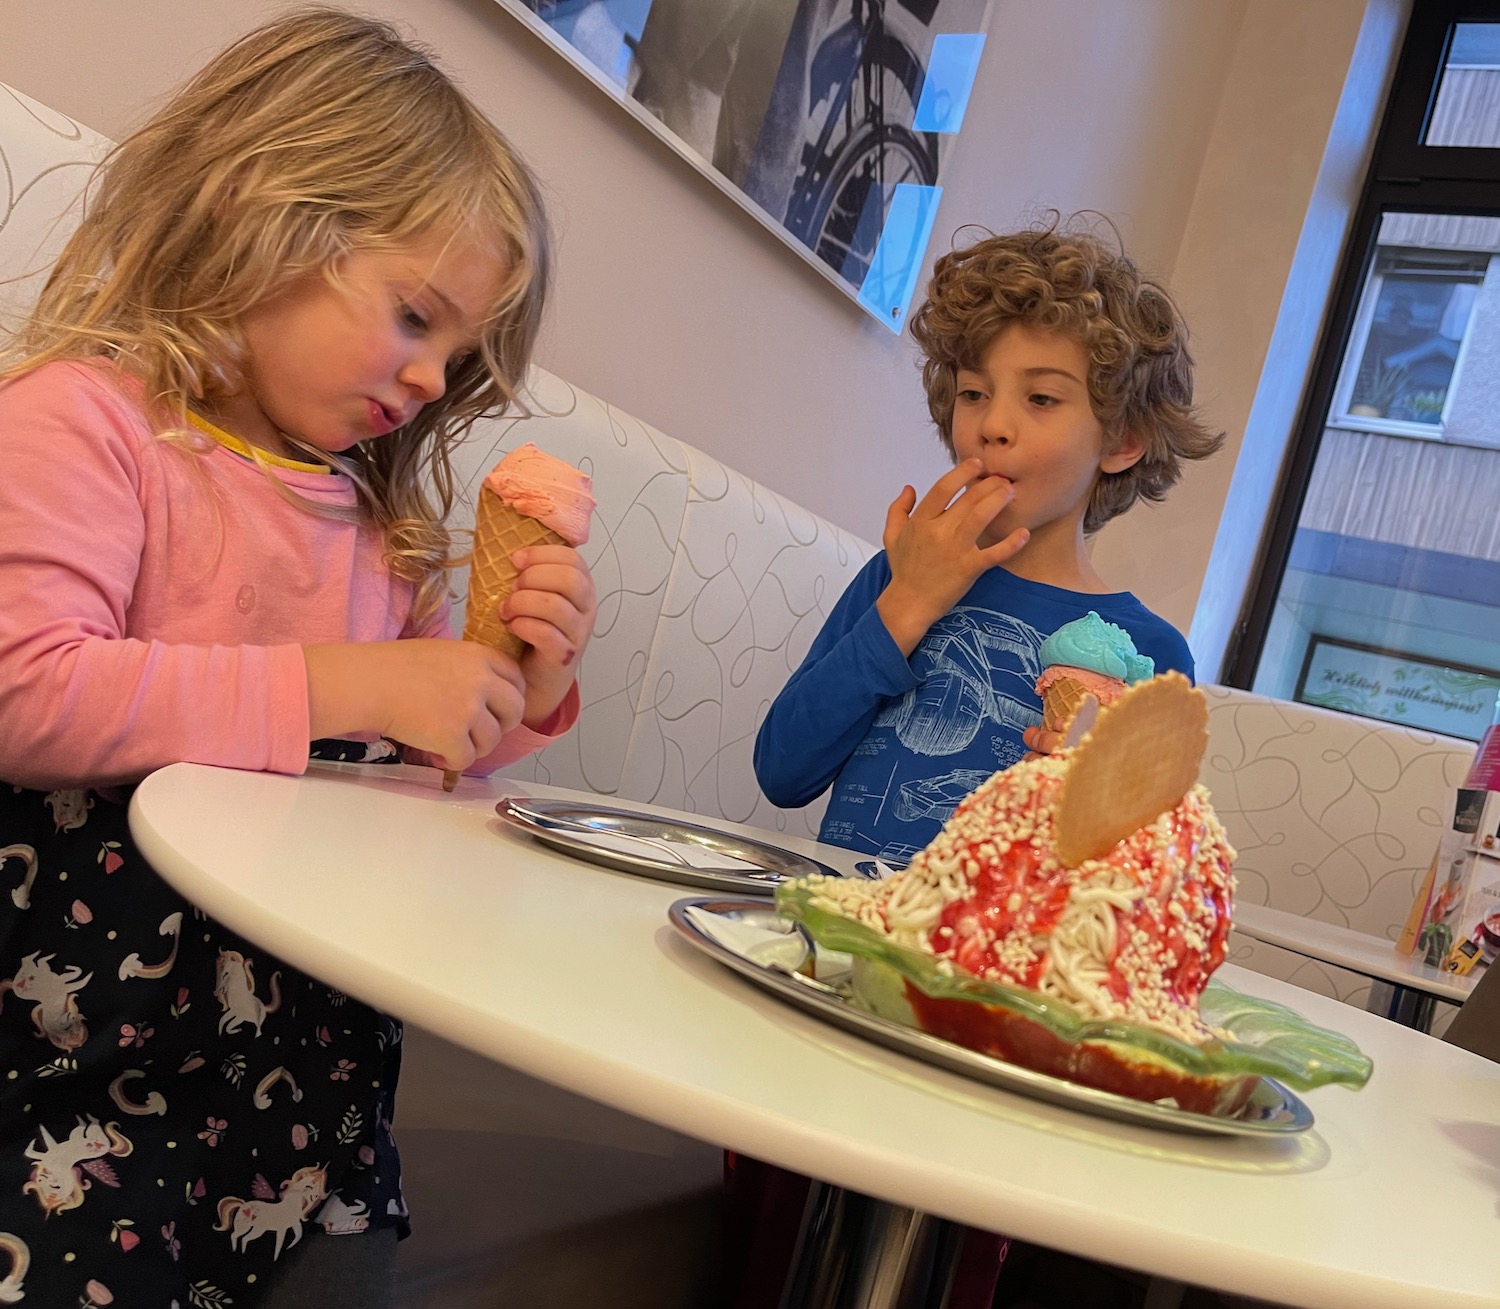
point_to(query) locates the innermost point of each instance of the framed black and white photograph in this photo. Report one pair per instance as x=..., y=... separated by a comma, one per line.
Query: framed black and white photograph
x=828, y=119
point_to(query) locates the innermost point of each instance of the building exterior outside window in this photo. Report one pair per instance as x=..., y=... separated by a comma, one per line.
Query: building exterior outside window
x=1382, y=595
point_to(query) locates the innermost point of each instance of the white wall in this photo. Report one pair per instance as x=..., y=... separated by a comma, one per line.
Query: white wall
x=1256, y=270
x=1199, y=126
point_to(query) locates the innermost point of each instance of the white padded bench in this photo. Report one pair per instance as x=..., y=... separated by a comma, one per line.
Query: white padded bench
x=1335, y=820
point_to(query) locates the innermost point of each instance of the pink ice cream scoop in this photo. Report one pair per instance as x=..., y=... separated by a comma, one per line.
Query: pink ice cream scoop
x=541, y=486
x=1104, y=688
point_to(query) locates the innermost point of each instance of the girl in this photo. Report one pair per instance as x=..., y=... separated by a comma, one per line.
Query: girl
x=226, y=430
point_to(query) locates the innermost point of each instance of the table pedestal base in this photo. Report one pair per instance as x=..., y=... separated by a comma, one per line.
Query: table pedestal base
x=854, y=1252
x=1403, y=1004
x=1163, y=1293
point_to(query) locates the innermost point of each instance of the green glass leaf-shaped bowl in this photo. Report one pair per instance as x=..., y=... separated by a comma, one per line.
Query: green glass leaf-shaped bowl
x=1042, y=1033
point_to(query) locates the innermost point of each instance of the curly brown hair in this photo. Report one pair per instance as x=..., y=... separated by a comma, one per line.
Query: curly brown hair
x=1140, y=377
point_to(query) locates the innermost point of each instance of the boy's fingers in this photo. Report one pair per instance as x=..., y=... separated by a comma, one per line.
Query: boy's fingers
x=897, y=515
x=1041, y=741
x=1005, y=549
x=979, y=506
x=947, y=486
x=987, y=498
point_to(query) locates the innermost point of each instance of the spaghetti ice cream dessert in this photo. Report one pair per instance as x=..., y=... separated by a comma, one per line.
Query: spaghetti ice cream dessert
x=1086, y=657
x=529, y=498
x=1093, y=886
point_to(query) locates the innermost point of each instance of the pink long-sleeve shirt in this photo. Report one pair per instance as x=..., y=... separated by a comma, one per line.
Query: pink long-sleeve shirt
x=154, y=601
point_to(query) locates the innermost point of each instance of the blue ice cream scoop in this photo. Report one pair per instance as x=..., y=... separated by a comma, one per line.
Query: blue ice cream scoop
x=1101, y=647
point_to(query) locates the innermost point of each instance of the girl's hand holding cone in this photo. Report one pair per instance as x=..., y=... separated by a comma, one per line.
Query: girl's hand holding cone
x=551, y=614
x=552, y=610
x=530, y=593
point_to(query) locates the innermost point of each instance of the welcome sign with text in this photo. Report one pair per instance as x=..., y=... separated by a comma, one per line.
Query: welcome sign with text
x=1397, y=688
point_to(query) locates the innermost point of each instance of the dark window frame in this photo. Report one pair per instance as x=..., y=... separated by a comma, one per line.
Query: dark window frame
x=1404, y=176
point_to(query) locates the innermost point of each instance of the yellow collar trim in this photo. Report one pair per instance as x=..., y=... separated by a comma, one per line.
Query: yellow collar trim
x=247, y=451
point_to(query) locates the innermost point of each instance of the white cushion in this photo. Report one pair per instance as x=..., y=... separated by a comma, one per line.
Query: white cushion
x=755, y=578
x=1333, y=817
x=711, y=589
x=45, y=159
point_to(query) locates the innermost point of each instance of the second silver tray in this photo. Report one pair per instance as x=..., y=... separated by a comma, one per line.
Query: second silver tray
x=1271, y=1111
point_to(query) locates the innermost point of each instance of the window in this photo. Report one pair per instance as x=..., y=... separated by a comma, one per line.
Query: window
x=1413, y=321
x=1385, y=540
x=1461, y=115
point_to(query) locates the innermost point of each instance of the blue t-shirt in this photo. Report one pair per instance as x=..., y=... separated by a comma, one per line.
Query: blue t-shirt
x=902, y=741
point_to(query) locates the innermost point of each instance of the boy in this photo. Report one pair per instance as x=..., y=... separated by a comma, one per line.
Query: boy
x=1059, y=380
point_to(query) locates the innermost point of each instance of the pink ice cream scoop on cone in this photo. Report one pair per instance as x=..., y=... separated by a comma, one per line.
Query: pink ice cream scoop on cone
x=529, y=498
x=1087, y=657
x=1063, y=689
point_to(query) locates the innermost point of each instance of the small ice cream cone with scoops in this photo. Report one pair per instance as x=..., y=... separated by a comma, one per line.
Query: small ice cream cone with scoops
x=1087, y=657
x=529, y=498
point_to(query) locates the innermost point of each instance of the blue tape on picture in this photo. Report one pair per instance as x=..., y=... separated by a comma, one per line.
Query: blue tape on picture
x=951, y=69
x=888, y=286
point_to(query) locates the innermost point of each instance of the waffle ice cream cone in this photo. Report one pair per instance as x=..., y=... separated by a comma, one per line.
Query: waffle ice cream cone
x=499, y=531
x=1061, y=702
x=529, y=498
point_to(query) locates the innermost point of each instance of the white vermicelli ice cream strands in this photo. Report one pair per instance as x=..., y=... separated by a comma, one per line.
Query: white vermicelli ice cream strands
x=915, y=907
x=906, y=906
x=952, y=886
x=1074, y=978
x=1081, y=947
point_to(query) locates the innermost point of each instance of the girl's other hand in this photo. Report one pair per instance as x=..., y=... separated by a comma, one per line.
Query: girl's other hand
x=453, y=700
x=552, y=609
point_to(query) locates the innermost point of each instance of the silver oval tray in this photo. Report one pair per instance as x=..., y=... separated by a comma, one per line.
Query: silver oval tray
x=672, y=851
x=1271, y=1111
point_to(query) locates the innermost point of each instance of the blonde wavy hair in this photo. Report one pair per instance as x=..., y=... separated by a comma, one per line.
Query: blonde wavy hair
x=317, y=135
x=1140, y=377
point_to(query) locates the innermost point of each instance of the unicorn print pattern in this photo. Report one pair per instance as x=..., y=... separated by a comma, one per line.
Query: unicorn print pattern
x=21, y=895
x=58, y=1167
x=245, y=1220
x=235, y=990
x=170, y=1094
x=55, y=1013
x=13, y=1284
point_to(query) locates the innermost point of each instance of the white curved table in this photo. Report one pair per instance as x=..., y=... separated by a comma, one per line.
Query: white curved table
x=425, y=905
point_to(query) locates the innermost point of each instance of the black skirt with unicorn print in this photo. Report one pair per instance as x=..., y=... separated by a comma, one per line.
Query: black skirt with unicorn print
x=176, y=1105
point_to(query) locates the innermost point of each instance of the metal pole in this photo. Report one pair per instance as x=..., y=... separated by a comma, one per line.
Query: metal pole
x=854, y=1252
